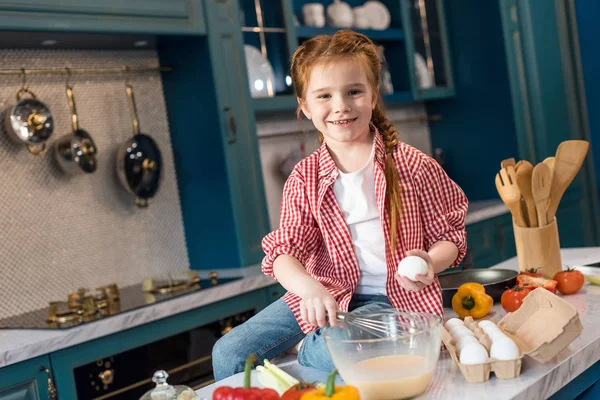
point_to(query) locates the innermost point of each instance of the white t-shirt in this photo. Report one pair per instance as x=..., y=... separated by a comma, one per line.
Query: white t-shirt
x=355, y=194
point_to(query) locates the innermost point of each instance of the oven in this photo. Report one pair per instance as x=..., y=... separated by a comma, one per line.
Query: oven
x=185, y=356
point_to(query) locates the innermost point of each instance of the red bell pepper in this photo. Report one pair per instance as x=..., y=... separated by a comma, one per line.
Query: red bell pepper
x=246, y=392
x=535, y=282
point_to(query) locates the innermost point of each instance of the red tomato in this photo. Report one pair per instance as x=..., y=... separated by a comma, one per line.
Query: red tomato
x=569, y=281
x=512, y=299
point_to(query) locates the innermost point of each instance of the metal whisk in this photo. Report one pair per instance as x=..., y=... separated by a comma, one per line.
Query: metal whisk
x=383, y=324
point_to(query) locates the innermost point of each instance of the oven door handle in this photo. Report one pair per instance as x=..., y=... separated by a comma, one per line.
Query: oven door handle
x=51, y=389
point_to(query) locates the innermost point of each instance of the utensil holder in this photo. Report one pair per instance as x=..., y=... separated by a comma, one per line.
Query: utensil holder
x=538, y=248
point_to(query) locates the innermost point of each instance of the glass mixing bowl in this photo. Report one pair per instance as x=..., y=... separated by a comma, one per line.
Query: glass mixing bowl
x=397, y=363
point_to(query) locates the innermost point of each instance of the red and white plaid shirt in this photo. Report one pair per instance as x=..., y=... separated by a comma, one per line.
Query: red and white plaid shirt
x=313, y=229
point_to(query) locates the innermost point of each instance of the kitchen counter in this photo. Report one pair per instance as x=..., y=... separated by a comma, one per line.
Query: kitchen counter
x=485, y=209
x=537, y=381
x=22, y=344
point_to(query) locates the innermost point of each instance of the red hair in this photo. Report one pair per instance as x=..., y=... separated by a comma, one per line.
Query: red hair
x=346, y=44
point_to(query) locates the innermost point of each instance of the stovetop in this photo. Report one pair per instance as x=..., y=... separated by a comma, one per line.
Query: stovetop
x=131, y=298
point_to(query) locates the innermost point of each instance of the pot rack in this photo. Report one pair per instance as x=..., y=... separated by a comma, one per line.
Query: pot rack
x=67, y=71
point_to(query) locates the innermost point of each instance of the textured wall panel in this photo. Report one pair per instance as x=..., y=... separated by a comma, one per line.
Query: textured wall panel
x=59, y=232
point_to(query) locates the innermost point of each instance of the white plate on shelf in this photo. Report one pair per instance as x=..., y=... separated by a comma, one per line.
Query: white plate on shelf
x=423, y=78
x=260, y=73
x=377, y=14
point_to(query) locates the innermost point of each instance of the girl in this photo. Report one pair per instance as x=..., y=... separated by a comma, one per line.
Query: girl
x=350, y=212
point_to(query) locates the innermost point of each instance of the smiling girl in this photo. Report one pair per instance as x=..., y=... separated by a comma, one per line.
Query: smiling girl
x=350, y=212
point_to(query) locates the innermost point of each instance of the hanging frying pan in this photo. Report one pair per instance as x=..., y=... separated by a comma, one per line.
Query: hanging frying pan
x=29, y=122
x=76, y=151
x=139, y=161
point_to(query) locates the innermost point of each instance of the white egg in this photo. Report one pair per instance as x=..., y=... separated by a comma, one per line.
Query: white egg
x=485, y=324
x=504, y=349
x=495, y=334
x=411, y=266
x=473, y=353
x=458, y=331
x=452, y=322
x=464, y=341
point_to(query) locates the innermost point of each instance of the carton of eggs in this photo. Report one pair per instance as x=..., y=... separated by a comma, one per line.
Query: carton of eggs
x=411, y=266
x=479, y=348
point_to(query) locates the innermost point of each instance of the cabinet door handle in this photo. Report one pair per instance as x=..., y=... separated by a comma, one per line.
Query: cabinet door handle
x=232, y=125
x=52, y=395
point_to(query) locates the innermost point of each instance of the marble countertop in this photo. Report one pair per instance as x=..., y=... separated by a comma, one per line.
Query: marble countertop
x=537, y=381
x=485, y=209
x=22, y=344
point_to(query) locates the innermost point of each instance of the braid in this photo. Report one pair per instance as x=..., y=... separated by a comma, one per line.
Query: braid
x=393, y=194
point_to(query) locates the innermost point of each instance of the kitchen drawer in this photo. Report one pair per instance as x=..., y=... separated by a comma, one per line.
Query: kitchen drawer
x=111, y=16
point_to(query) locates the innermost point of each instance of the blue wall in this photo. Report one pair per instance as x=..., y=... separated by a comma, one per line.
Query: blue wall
x=477, y=130
x=588, y=25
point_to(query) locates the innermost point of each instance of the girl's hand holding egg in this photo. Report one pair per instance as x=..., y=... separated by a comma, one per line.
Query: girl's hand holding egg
x=415, y=271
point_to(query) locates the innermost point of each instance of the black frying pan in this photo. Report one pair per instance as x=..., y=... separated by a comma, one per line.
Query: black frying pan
x=495, y=282
x=139, y=161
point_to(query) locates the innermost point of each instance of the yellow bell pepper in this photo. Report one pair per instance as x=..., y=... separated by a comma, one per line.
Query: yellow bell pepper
x=471, y=301
x=332, y=392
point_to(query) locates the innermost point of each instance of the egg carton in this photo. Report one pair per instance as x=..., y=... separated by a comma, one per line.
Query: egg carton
x=476, y=373
x=542, y=327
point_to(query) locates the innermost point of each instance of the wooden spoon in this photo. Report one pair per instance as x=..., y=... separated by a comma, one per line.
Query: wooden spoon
x=541, y=184
x=549, y=161
x=506, y=184
x=524, y=176
x=569, y=158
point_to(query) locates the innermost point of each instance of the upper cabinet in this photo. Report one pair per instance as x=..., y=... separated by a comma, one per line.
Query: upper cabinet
x=410, y=34
x=115, y=16
x=427, y=46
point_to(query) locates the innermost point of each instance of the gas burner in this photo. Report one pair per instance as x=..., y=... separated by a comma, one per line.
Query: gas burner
x=81, y=306
x=173, y=285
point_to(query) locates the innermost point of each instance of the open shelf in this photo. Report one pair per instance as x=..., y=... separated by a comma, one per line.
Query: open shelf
x=305, y=32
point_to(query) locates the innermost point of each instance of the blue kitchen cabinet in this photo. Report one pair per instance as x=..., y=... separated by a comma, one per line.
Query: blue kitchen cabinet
x=489, y=242
x=271, y=29
x=427, y=49
x=27, y=380
x=109, y=377
x=106, y=16
x=488, y=121
x=213, y=131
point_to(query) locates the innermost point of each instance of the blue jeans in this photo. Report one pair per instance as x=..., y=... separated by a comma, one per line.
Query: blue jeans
x=274, y=330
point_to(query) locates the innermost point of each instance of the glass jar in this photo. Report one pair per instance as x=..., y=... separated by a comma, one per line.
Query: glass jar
x=164, y=391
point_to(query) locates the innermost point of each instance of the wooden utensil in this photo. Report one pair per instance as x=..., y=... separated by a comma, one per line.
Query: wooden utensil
x=569, y=158
x=549, y=161
x=524, y=176
x=541, y=184
x=506, y=184
x=508, y=162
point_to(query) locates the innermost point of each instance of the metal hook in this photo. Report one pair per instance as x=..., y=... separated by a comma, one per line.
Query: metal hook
x=126, y=71
x=68, y=73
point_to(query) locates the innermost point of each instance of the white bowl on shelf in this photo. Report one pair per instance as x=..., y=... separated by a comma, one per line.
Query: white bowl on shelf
x=378, y=15
x=260, y=73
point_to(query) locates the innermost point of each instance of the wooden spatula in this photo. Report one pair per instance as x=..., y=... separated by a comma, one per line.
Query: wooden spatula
x=508, y=162
x=506, y=184
x=524, y=176
x=541, y=184
x=569, y=158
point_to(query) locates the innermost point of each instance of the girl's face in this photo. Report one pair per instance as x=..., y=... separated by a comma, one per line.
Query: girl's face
x=339, y=101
